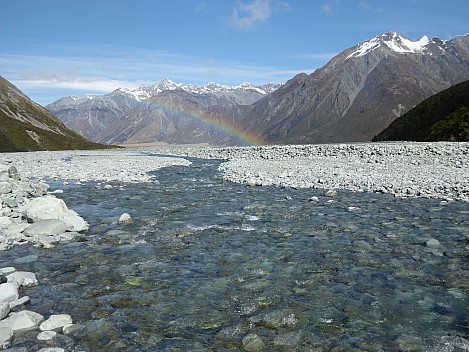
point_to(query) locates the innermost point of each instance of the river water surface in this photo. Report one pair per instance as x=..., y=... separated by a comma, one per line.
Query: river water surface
x=209, y=265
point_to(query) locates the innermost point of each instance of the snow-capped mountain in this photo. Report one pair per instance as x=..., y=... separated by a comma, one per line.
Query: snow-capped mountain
x=360, y=91
x=153, y=113
x=145, y=92
x=393, y=41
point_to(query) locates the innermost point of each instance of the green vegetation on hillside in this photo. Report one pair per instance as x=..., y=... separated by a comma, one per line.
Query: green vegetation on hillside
x=26, y=126
x=454, y=127
x=442, y=117
x=14, y=137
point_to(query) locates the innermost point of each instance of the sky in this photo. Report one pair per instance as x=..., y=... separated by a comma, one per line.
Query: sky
x=55, y=48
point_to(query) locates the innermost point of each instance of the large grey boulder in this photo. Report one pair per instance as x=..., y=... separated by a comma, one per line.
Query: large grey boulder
x=45, y=208
x=6, y=335
x=22, y=278
x=24, y=320
x=4, y=310
x=49, y=207
x=74, y=222
x=56, y=322
x=46, y=227
x=8, y=292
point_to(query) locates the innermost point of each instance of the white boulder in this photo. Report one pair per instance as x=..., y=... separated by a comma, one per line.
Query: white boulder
x=46, y=227
x=8, y=292
x=24, y=320
x=6, y=335
x=22, y=278
x=74, y=222
x=44, y=208
x=56, y=322
x=49, y=207
x=46, y=336
x=4, y=310
x=125, y=219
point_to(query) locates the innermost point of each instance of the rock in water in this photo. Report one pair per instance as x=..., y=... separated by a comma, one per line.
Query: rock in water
x=46, y=227
x=45, y=208
x=56, y=322
x=23, y=278
x=4, y=310
x=46, y=336
x=125, y=219
x=6, y=334
x=22, y=321
x=8, y=292
x=49, y=207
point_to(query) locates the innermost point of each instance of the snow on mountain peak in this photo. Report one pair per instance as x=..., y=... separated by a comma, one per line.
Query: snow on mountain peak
x=145, y=92
x=393, y=41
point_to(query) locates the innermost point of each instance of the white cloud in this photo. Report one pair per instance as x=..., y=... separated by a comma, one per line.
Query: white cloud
x=50, y=77
x=246, y=16
x=330, y=7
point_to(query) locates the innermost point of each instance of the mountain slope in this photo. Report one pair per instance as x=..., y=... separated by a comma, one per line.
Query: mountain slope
x=166, y=112
x=25, y=125
x=360, y=91
x=442, y=117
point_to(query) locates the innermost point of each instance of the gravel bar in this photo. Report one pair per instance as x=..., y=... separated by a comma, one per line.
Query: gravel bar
x=115, y=165
x=436, y=170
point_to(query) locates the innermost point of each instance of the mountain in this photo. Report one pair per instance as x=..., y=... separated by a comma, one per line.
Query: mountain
x=166, y=112
x=27, y=126
x=442, y=117
x=360, y=91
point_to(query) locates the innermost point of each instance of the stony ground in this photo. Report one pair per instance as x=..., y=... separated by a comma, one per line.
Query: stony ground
x=437, y=170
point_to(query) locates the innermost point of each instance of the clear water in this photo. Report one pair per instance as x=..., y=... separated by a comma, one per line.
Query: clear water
x=215, y=266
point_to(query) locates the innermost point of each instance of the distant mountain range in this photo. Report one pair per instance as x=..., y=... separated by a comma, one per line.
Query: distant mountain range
x=166, y=112
x=27, y=126
x=352, y=98
x=360, y=91
x=442, y=117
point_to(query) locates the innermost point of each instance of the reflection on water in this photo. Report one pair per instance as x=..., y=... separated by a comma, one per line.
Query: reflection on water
x=214, y=266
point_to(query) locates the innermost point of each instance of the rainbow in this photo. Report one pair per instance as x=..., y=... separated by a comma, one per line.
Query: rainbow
x=244, y=137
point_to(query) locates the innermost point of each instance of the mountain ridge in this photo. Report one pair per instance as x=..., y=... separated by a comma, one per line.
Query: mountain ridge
x=26, y=125
x=359, y=92
x=166, y=112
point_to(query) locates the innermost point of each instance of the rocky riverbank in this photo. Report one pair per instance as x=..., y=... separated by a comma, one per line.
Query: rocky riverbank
x=29, y=214
x=403, y=169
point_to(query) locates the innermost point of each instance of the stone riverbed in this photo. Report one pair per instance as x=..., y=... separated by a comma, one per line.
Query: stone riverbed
x=273, y=262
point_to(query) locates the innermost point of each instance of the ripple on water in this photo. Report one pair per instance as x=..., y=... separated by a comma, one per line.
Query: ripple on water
x=210, y=265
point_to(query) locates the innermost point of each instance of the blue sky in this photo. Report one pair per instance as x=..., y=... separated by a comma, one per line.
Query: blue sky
x=55, y=48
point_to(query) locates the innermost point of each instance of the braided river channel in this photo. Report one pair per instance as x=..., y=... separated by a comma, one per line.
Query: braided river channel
x=210, y=265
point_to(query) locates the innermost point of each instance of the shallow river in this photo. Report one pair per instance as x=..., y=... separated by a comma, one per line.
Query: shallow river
x=214, y=266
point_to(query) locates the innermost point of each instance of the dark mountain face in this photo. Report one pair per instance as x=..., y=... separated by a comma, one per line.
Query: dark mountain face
x=442, y=117
x=167, y=112
x=25, y=125
x=360, y=91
